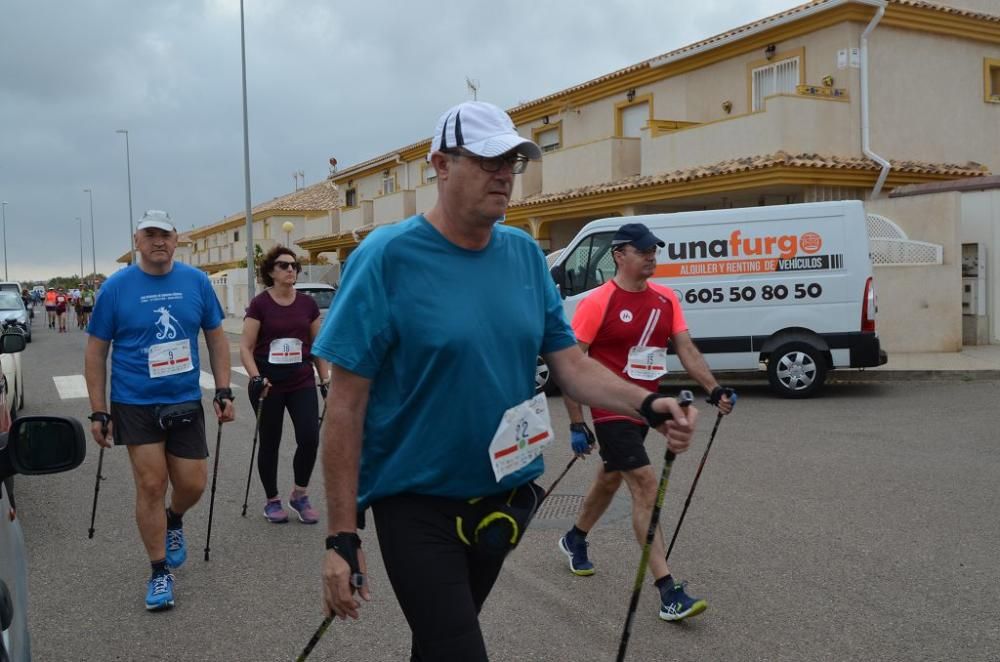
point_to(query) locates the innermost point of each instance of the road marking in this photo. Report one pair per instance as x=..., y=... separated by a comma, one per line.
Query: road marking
x=207, y=381
x=242, y=371
x=70, y=386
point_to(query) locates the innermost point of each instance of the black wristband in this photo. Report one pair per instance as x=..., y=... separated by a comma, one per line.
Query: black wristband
x=341, y=540
x=223, y=394
x=653, y=419
x=346, y=545
x=102, y=417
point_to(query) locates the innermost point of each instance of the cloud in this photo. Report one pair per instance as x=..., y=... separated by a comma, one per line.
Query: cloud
x=350, y=80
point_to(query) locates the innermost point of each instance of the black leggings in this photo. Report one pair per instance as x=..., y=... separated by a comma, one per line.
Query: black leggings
x=441, y=584
x=303, y=407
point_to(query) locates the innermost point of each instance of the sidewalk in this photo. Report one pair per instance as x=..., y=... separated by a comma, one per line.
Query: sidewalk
x=979, y=362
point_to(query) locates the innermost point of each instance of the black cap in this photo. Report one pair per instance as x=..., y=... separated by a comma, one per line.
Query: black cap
x=638, y=235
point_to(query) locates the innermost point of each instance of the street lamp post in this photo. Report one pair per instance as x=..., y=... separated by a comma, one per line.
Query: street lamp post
x=131, y=217
x=93, y=247
x=81, y=246
x=288, y=226
x=3, y=206
x=246, y=163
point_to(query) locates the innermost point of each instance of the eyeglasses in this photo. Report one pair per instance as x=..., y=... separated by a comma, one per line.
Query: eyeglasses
x=284, y=264
x=517, y=162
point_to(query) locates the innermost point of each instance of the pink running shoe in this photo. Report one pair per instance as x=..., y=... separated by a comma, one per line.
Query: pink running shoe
x=274, y=512
x=300, y=504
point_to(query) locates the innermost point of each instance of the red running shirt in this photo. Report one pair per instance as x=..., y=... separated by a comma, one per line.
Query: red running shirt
x=613, y=321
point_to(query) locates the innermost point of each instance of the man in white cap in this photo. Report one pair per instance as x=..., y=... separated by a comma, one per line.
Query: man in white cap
x=152, y=313
x=431, y=419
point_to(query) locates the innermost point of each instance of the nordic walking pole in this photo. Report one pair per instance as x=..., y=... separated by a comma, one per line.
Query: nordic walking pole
x=97, y=490
x=553, y=486
x=253, y=451
x=694, y=484
x=320, y=631
x=97, y=481
x=684, y=398
x=211, y=503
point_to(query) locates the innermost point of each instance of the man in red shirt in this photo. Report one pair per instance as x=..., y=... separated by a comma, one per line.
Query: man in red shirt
x=626, y=325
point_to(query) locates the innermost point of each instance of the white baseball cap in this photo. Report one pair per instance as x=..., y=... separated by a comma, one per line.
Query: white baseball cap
x=154, y=218
x=482, y=129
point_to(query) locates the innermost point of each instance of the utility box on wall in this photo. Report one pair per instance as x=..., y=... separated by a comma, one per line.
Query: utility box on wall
x=975, y=322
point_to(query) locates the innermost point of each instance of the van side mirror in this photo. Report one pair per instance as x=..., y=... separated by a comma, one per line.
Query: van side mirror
x=12, y=341
x=38, y=445
x=558, y=273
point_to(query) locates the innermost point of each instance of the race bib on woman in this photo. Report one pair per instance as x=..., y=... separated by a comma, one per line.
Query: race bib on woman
x=523, y=432
x=285, y=350
x=170, y=358
x=646, y=363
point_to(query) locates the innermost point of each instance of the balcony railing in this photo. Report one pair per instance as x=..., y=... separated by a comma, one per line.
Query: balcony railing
x=353, y=218
x=395, y=206
x=794, y=124
x=598, y=162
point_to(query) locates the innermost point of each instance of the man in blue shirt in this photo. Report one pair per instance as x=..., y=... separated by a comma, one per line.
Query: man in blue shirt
x=431, y=418
x=152, y=313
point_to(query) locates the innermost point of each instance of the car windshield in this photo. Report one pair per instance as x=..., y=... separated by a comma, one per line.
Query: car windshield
x=10, y=301
x=323, y=297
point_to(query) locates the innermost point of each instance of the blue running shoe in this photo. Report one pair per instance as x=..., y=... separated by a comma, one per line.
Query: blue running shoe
x=676, y=604
x=160, y=592
x=176, y=548
x=576, y=549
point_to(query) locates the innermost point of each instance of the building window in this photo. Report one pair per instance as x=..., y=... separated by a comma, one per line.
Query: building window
x=236, y=235
x=632, y=116
x=351, y=197
x=429, y=173
x=388, y=182
x=991, y=80
x=548, y=137
x=781, y=77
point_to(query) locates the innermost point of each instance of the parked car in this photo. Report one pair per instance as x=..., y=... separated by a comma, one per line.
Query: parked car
x=11, y=375
x=31, y=445
x=12, y=311
x=323, y=293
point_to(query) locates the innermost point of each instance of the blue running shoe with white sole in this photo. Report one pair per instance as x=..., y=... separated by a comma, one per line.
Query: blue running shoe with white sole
x=176, y=548
x=676, y=604
x=160, y=592
x=575, y=548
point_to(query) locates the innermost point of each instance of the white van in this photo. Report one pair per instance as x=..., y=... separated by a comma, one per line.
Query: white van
x=788, y=288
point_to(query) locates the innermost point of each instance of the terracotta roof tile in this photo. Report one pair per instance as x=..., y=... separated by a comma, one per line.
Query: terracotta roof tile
x=321, y=196
x=751, y=163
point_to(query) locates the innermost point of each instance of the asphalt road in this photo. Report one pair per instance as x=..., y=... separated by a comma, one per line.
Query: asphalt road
x=861, y=525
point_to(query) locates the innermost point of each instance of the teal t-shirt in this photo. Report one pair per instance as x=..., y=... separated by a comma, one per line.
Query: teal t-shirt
x=139, y=313
x=449, y=338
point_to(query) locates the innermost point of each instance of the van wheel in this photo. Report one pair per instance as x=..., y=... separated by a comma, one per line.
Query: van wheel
x=796, y=370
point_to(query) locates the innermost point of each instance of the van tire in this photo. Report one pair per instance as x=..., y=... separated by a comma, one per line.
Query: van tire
x=796, y=370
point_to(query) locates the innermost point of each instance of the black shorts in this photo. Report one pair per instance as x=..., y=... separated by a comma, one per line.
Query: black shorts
x=622, y=445
x=137, y=424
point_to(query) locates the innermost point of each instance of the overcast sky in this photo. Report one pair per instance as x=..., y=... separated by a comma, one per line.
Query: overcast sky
x=325, y=78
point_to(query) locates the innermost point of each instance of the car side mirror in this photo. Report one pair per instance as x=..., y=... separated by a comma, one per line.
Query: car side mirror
x=38, y=445
x=12, y=341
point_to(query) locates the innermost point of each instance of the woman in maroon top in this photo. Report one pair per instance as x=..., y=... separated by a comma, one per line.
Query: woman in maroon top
x=275, y=348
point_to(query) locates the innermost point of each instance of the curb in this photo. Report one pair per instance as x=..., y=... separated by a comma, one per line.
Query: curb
x=857, y=376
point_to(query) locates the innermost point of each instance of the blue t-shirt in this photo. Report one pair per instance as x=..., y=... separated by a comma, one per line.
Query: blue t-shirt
x=137, y=311
x=449, y=338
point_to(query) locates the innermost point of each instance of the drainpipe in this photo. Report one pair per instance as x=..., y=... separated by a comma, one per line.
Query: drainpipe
x=865, y=125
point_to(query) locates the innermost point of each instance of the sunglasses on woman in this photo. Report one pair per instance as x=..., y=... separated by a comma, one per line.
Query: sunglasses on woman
x=285, y=264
